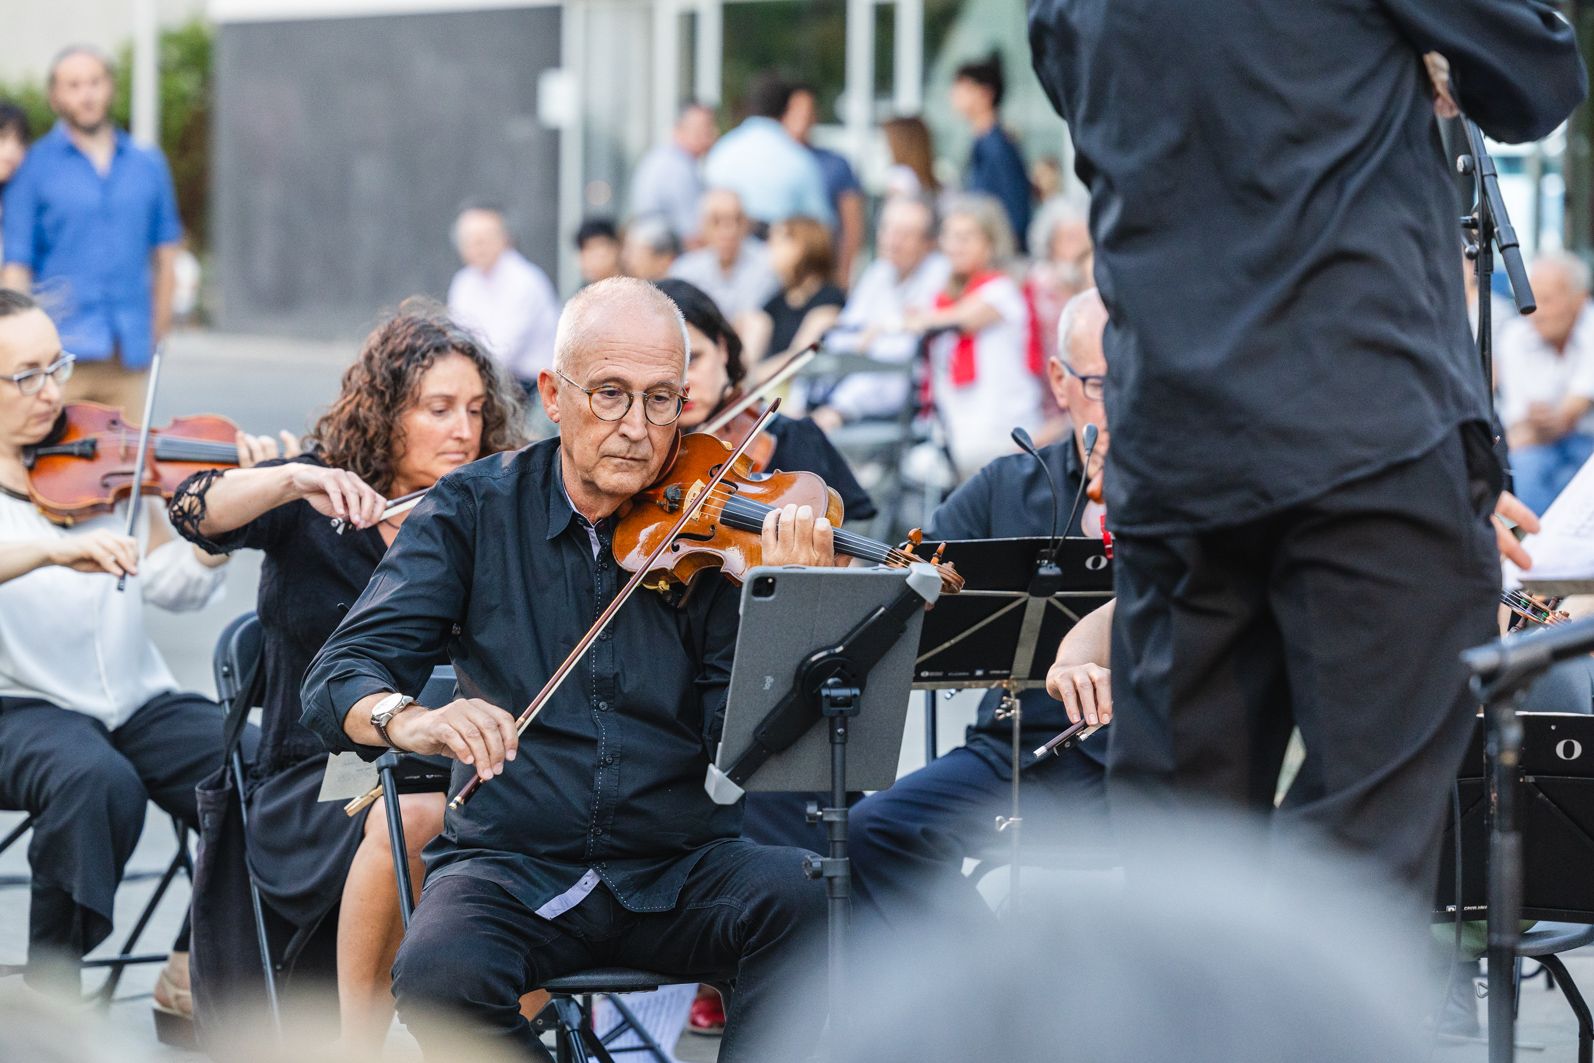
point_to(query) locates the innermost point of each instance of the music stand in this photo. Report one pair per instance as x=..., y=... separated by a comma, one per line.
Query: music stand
x=822, y=644
x=1020, y=597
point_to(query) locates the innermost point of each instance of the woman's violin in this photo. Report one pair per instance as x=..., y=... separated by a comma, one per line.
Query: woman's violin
x=86, y=464
x=738, y=416
x=726, y=530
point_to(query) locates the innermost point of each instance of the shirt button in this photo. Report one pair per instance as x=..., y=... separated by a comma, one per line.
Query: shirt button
x=597, y=830
x=608, y=760
x=603, y=706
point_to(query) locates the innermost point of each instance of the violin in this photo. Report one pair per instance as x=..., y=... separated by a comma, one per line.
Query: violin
x=85, y=466
x=726, y=529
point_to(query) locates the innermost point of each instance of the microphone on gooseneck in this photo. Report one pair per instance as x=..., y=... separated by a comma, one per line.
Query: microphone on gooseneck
x=1091, y=433
x=1027, y=445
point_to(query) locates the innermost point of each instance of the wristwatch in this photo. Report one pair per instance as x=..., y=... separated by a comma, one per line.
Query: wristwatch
x=383, y=712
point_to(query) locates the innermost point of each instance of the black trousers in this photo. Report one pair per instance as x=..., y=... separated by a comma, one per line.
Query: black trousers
x=1343, y=616
x=87, y=789
x=746, y=913
x=908, y=843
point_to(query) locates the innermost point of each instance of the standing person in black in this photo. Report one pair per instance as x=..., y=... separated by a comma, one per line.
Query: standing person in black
x=422, y=399
x=592, y=842
x=1302, y=474
x=908, y=842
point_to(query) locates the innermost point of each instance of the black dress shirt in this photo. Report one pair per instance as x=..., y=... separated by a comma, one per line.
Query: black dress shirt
x=802, y=446
x=310, y=577
x=1276, y=234
x=1010, y=499
x=496, y=568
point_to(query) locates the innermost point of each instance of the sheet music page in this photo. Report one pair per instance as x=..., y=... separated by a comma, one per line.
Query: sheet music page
x=1563, y=549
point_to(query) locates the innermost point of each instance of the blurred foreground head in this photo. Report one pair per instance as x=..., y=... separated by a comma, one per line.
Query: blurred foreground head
x=1200, y=954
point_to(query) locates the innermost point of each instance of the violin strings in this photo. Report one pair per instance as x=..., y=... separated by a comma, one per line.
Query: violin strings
x=752, y=514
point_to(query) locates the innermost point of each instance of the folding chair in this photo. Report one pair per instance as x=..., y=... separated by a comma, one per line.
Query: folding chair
x=236, y=659
x=569, y=1011
x=125, y=957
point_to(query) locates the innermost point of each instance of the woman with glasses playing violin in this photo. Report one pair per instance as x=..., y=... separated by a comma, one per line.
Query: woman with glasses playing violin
x=422, y=399
x=92, y=726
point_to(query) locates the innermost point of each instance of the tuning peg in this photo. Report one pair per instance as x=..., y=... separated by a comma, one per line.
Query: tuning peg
x=936, y=560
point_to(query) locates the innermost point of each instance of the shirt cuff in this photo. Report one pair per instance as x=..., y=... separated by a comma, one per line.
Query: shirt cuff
x=325, y=710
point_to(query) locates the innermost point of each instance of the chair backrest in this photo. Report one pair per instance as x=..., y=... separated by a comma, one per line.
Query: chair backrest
x=237, y=656
x=439, y=689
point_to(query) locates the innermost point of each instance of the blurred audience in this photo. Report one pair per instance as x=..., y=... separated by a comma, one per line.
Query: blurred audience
x=912, y=171
x=1545, y=371
x=775, y=176
x=502, y=296
x=649, y=248
x=981, y=380
x=732, y=266
x=669, y=181
x=807, y=303
x=14, y=137
x=91, y=225
x=996, y=168
x=597, y=250
x=905, y=278
x=1061, y=268
x=841, y=184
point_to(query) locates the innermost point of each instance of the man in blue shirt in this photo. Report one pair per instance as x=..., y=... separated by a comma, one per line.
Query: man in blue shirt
x=841, y=183
x=91, y=226
x=995, y=166
x=775, y=177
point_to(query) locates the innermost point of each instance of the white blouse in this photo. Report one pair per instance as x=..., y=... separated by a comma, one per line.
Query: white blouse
x=70, y=638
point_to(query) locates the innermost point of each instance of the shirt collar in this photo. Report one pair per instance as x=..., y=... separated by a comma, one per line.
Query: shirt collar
x=64, y=139
x=561, y=511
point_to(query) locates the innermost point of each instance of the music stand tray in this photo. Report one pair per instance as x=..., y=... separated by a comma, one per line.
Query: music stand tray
x=969, y=639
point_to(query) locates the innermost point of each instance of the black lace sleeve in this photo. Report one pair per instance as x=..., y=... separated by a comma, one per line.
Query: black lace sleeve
x=187, y=510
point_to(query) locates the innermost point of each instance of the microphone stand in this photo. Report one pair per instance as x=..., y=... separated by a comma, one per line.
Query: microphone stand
x=1487, y=228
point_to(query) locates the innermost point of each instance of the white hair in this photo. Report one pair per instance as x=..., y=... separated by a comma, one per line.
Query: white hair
x=1073, y=316
x=625, y=297
x=1055, y=212
x=1571, y=266
x=988, y=213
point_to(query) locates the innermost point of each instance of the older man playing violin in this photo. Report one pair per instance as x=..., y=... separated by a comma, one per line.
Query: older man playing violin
x=592, y=842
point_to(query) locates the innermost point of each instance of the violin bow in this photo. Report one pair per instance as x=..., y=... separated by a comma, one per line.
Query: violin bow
x=394, y=506
x=135, y=500
x=793, y=365
x=555, y=681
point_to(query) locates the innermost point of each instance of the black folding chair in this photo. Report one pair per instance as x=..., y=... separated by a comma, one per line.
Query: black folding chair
x=569, y=1011
x=117, y=964
x=236, y=659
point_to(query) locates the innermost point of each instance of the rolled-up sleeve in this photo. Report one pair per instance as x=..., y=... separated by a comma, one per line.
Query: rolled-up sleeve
x=401, y=624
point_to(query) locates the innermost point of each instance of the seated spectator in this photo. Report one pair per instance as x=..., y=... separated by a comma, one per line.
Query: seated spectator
x=669, y=180
x=1060, y=237
x=597, y=250
x=649, y=249
x=732, y=266
x=1545, y=372
x=807, y=303
x=502, y=296
x=841, y=184
x=774, y=175
x=981, y=381
x=906, y=277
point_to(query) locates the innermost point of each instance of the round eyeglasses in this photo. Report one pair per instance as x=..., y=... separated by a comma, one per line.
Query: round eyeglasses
x=1094, y=385
x=610, y=402
x=31, y=381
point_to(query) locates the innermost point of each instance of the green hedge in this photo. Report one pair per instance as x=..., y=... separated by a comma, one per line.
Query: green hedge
x=185, y=88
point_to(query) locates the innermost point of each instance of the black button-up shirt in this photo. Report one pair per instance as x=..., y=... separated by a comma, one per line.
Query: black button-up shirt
x=1011, y=499
x=1275, y=227
x=496, y=569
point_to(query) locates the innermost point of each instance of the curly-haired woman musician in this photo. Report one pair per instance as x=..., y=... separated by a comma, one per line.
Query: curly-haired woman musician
x=422, y=399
